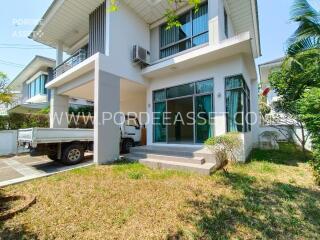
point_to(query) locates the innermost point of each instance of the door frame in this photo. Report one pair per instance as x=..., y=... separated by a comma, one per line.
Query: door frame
x=193, y=96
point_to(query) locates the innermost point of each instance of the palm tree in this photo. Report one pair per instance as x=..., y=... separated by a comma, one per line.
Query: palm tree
x=307, y=35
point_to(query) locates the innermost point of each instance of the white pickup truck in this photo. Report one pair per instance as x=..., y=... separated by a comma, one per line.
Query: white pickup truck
x=69, y=145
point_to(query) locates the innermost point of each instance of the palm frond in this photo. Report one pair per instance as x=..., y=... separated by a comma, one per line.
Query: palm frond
x=303, y=10
x=303, y=44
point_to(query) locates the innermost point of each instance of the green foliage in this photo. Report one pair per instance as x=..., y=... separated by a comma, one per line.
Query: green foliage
x=16, y=121
x=171, y=12
x=225, y=147
x=296, y=75
x=263, y=106
x=82, y=110
x=309, y=109
x=45, y=110
x=307, y=35
x=5, y=95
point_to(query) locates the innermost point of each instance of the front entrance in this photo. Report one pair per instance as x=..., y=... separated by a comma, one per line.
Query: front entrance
x=184, y=114
x=180, y=128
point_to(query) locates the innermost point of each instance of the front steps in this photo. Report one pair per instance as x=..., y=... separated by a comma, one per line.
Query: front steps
x=193, y=159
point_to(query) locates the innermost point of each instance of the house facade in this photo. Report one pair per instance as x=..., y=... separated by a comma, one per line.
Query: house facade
x=29, y=89
x=205, y=67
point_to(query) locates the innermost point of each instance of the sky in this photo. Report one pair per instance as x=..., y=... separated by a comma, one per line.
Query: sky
x=18, y=19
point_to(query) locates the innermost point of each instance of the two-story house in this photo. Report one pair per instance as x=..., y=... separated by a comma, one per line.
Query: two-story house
x=205, y=66
x=29, y=89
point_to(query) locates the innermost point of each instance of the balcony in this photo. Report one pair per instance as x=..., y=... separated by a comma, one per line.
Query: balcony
x=72, y=61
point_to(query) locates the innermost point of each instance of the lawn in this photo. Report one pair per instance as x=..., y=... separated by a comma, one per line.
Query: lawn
x=271, y=197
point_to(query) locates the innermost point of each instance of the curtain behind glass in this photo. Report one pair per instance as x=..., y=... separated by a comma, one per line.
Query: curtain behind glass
x=234, y=110
x=203, y=111
x=160, y=130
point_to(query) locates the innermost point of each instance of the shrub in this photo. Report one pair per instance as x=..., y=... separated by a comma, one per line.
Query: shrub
x=3, y=122
x=225, y=147
x=315, y=163
x=16, y=121
x=309, y=108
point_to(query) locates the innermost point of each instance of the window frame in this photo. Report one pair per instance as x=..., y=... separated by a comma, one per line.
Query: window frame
x=191, y=38
x=38, y=83
x=246, y=98
x=226, y=23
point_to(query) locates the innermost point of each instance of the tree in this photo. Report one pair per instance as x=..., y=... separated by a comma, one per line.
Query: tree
x=171, y=12
x=309, y=109
x=5, y=95
x=307, y=35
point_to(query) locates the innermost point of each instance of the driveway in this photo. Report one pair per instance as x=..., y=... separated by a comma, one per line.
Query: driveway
x=22, y=168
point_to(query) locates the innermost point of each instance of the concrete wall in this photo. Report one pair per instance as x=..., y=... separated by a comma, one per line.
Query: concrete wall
x=8, y=142
x=136, y=103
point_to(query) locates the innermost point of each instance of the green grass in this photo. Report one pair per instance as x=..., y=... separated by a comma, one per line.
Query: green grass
x=273, y=196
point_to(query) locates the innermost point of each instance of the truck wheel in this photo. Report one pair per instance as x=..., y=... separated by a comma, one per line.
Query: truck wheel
x=73, y=154
x=126, y=145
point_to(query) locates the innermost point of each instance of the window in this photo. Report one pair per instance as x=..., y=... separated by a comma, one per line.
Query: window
x=226, y=24
x=237, y=104
x=193, y=32
x=37, y=86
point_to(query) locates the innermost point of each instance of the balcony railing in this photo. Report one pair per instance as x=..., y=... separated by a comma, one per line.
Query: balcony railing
x=72, y=61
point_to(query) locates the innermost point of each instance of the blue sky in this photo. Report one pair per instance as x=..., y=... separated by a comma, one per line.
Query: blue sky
x=19, y=18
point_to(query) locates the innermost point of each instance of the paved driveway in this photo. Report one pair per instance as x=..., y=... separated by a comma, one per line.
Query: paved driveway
x=22, y=168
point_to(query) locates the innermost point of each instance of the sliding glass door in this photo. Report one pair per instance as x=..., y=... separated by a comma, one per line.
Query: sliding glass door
x=173, y=108
x=203, y=110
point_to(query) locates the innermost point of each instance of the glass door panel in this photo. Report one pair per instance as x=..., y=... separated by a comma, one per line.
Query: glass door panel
x=203, y=109
x=160, y=130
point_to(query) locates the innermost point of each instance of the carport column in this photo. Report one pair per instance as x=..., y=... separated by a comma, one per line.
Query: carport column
x=106, y=104
x=59, y=108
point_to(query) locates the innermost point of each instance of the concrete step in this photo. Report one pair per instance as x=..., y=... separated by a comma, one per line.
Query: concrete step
x=186, y=152
x=204, y=169
x=143, y=155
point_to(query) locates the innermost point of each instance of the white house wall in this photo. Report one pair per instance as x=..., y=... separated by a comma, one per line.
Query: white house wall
x=127, y=29
x=217, y=70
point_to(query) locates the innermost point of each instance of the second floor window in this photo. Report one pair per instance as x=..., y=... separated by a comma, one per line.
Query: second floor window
x=193, y=32
x=37, y=86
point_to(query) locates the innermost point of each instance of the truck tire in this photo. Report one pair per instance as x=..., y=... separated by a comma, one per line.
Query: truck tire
x=73, y=154
x=126, y=145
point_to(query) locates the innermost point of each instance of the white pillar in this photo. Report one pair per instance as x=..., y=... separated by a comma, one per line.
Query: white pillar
x=213, y=15
x=59, y=108
x=59, y=53
x=106, y=104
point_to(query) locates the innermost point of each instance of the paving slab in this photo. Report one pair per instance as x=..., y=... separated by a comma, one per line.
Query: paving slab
x=23, y=168
x=9, y=174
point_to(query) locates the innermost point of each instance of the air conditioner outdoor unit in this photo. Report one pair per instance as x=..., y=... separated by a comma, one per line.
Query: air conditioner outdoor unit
x=141, y=55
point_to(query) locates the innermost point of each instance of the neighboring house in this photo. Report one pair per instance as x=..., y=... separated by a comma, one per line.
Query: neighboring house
x=265, y=70
x=207, y=65
x=276, y=121
x=31, y=95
